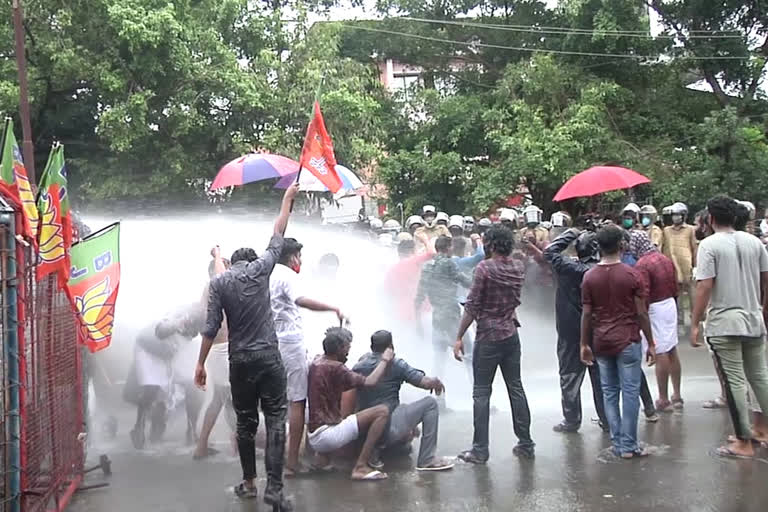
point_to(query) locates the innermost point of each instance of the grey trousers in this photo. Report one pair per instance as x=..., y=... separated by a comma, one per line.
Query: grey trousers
x=407, y=417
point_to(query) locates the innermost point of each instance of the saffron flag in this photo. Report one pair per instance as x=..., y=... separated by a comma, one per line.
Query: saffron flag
x=55, y=235
x=317, y=154
x=14, y=175
x=93, y=283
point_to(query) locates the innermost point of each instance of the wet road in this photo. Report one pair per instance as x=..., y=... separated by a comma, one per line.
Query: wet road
x=568, y=474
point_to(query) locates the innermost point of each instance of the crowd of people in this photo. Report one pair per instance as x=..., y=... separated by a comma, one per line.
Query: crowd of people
x=619, y=284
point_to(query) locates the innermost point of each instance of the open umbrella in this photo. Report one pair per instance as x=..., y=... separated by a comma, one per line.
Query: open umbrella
x=597, y=180
x=254, y=167
x=308, y=182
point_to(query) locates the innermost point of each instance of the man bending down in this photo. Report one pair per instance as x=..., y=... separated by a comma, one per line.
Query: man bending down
x=404, y=418
x=328, y=379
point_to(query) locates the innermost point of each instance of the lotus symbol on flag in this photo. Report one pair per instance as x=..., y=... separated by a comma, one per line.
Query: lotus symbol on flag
x=26, y=196
x=319, y=165
x=51, y=239
x=96, y=315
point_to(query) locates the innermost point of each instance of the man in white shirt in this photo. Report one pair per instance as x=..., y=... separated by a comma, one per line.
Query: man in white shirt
x=287, y=297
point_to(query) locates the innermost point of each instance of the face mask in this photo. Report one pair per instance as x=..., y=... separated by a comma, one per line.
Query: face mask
x=296, y=267
x=677, y=219
x=627, y=223
x=646, y=221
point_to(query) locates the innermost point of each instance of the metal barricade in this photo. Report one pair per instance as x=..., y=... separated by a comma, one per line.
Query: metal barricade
x=42, y=383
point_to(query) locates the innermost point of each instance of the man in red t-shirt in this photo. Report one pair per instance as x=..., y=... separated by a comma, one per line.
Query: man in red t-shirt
x=613, y=314
x=660, y=281
x=402, y=280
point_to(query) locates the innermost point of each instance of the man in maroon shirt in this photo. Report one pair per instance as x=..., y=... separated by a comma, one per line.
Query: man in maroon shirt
x=492, y=302
x=328, y=379
x=613, y=314
x=660, y=281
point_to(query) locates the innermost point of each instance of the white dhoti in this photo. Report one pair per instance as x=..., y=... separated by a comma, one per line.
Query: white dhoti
x=663, y=316
x=217, y=364
x=152, y=370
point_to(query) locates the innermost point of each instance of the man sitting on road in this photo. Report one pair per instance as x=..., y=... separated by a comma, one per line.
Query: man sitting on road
x=404, y=418
x=328, y=379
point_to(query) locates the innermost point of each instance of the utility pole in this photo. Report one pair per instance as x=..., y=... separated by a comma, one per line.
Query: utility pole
x=21, y=63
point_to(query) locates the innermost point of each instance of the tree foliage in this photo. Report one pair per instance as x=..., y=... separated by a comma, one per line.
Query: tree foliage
x=151, y=97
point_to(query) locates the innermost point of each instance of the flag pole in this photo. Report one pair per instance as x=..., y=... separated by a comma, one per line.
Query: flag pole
x=317, y=97
x=21, y=63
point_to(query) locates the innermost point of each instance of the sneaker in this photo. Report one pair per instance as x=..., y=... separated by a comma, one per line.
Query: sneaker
x=524, y=451
x=565, y=428
x=279, y=502
x=651, y=418
x=244, y=492
x=438, y=464
x=470, y=457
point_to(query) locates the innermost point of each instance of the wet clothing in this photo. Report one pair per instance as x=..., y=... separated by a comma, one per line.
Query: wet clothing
x=406, y=417
x=620, y=375
x=611, y=291
x=658, y=276
x=387, y=391
x=401, y=284
x=242, y=292
x=736, y=261
x=260, y=381
x=569, y=274
x=494, y=297
x=680, y=247
x=284, y=291
x=488, y=357
x=328, y=379
x=440, y=280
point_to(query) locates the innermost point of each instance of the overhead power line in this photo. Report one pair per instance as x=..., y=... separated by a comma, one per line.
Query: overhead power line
x=536, y=50
x=534, y=29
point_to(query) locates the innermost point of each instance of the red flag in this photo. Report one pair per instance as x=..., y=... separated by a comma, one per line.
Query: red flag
x=317, y=154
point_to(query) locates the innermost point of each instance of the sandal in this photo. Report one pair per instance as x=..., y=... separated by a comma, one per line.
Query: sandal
x=727, y=453
x=637, y=454
x=678, y=403
x=664, y=406
x=244, y=492
x=717, y=403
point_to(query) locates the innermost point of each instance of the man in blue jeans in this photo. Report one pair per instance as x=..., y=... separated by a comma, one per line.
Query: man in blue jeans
x=613, y=314
x=492, y=302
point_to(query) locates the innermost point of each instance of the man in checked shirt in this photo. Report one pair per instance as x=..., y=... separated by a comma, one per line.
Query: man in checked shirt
x=492, y=301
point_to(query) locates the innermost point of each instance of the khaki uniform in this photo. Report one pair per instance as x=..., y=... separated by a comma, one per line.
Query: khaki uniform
x=679, y=245
x=433, y=233
x=656, y=234
x=541, y=234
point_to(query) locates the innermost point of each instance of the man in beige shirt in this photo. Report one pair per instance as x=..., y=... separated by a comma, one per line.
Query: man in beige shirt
x=680, y=246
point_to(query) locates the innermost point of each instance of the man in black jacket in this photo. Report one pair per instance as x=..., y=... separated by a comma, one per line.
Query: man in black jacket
x=569, y=273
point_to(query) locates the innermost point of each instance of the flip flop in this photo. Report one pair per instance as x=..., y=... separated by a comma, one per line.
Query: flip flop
x=330, y=468
x=637, y=454
x=372, y=476
x=678, y=403
x=291, y=473
x=717, y=403
x=755, y=441
x=727, y=453
x=662, y=406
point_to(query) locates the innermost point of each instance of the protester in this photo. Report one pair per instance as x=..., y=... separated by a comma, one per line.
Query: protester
x=680, y=246
x=659, y=279
x=732, y=286
x=328, y=430
x=150, y=383
x=404, y=418
x=492, y=302
x=613, y=315
x=287, y=297
x=440, y=279
x=257, y=375
x=570, y=273
x=218, y=369
x=401, y=281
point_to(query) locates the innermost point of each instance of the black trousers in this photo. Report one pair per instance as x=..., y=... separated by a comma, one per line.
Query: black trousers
x=571, y=378
x=488, y=356
x=257, y=380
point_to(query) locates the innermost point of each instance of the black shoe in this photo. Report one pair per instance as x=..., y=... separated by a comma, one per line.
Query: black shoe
x=246, y=493
x=471, y=457
x=524, y=451
x=279, y=502
x=566, y=428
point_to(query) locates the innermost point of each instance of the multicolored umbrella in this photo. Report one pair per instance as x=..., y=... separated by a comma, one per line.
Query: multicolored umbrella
x=309, y=183
x=597, y=180
x=254, y=167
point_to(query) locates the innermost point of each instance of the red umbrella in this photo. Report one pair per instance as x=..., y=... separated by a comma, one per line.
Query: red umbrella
x=597, y=180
